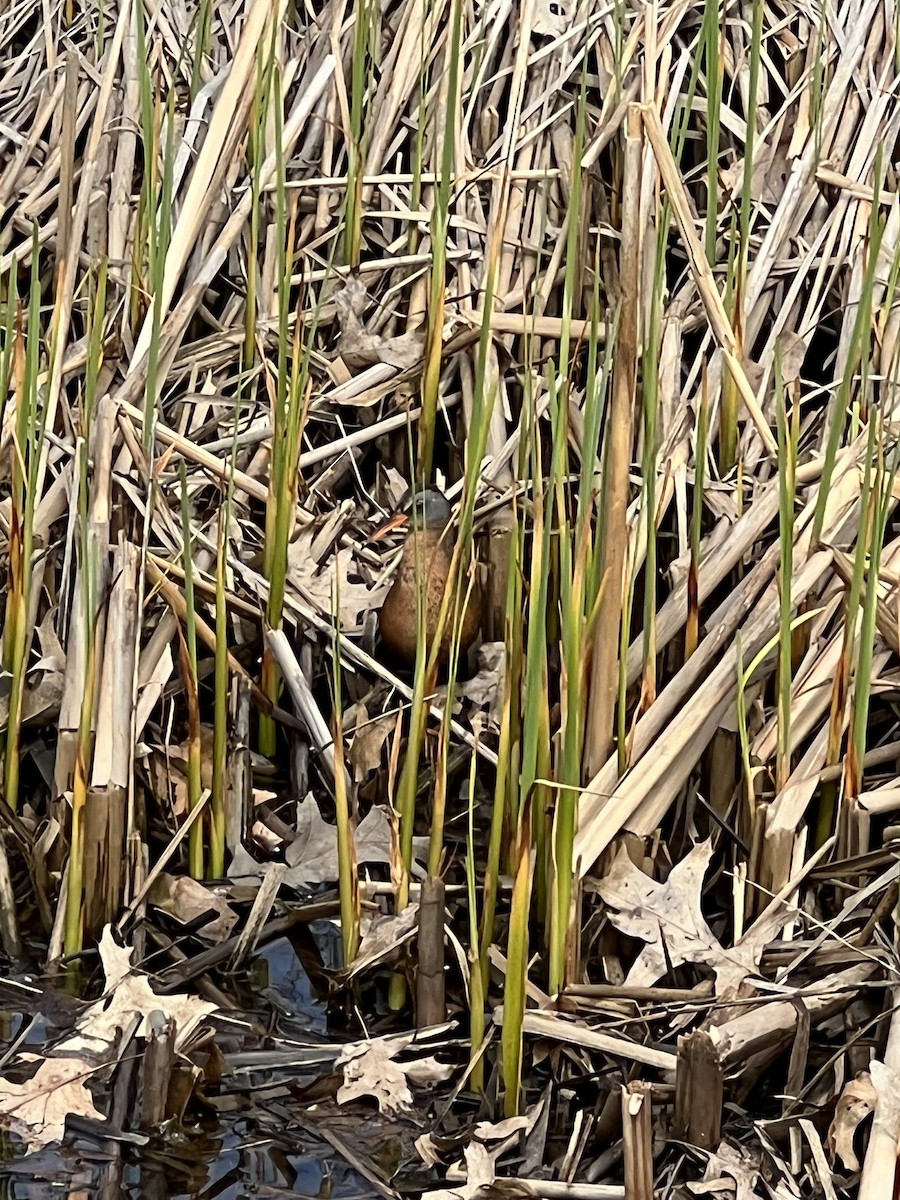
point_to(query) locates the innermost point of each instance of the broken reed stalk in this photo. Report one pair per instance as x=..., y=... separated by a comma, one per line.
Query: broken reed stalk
x=637, y=1141
x=430, y=1002
x=699, y=1091
x=617, y=454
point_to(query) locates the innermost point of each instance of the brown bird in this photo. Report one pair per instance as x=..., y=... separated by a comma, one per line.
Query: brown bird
x=429, y=548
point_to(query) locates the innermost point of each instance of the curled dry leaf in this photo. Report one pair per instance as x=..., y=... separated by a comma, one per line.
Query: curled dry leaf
x=856, y=1101
x=45, y=683
x=732, y=1171
x=552, y=17
x=371, y=1070
x=496, y=1131
x=393, y=486
x=485, y=688
x=480, y=1163
x=369, y=737
x=384, y=935
x=481, y=1169
x=189, y=900
x=360, y=348
x=427, y=1150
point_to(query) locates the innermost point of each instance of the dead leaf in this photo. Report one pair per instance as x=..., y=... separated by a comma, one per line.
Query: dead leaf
x=373, y=837
x=793, y=349
x=179, y=755
x=551, y=18
x=368, y=741
x=428, y=1151
x=485, y=689
x=384, y=935
x=767, y=180
x=53, y=657
x=495, y=1131
x=188, y=899
x=244, y=868
x=732, y=1167
x=370, y=1070
x=37, y=1109
x=856, y=1101
x=480, y=1162
x=668, y=918
x=481, y=1168
x=312, y=857
x=128, y=996
x=392, y=487
x=358, y=347
x=356, y=597
x=45, y=680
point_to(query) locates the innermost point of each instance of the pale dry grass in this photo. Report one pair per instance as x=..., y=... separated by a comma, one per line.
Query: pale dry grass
x=73, y=171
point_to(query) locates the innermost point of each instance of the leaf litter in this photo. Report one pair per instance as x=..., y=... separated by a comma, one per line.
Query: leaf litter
x=37, y=1108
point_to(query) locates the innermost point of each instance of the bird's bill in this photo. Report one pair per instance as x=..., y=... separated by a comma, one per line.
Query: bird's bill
x=399, y=521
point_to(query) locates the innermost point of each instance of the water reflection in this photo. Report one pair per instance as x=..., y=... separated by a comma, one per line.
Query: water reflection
x=239, y=1137
x=238, y=1165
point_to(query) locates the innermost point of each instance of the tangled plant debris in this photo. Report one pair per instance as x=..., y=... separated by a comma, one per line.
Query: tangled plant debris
x=605, y=905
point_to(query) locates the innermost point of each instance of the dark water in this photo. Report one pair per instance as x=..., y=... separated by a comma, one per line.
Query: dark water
x=237, y=1164
x=249, y=1136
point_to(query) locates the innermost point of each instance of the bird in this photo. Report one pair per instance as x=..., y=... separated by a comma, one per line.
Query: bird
x=424, y=562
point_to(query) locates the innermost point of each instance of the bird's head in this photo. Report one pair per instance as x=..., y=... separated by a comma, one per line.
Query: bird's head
x=428, y=510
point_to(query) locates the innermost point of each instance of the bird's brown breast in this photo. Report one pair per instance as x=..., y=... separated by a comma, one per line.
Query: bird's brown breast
x=399, y=615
